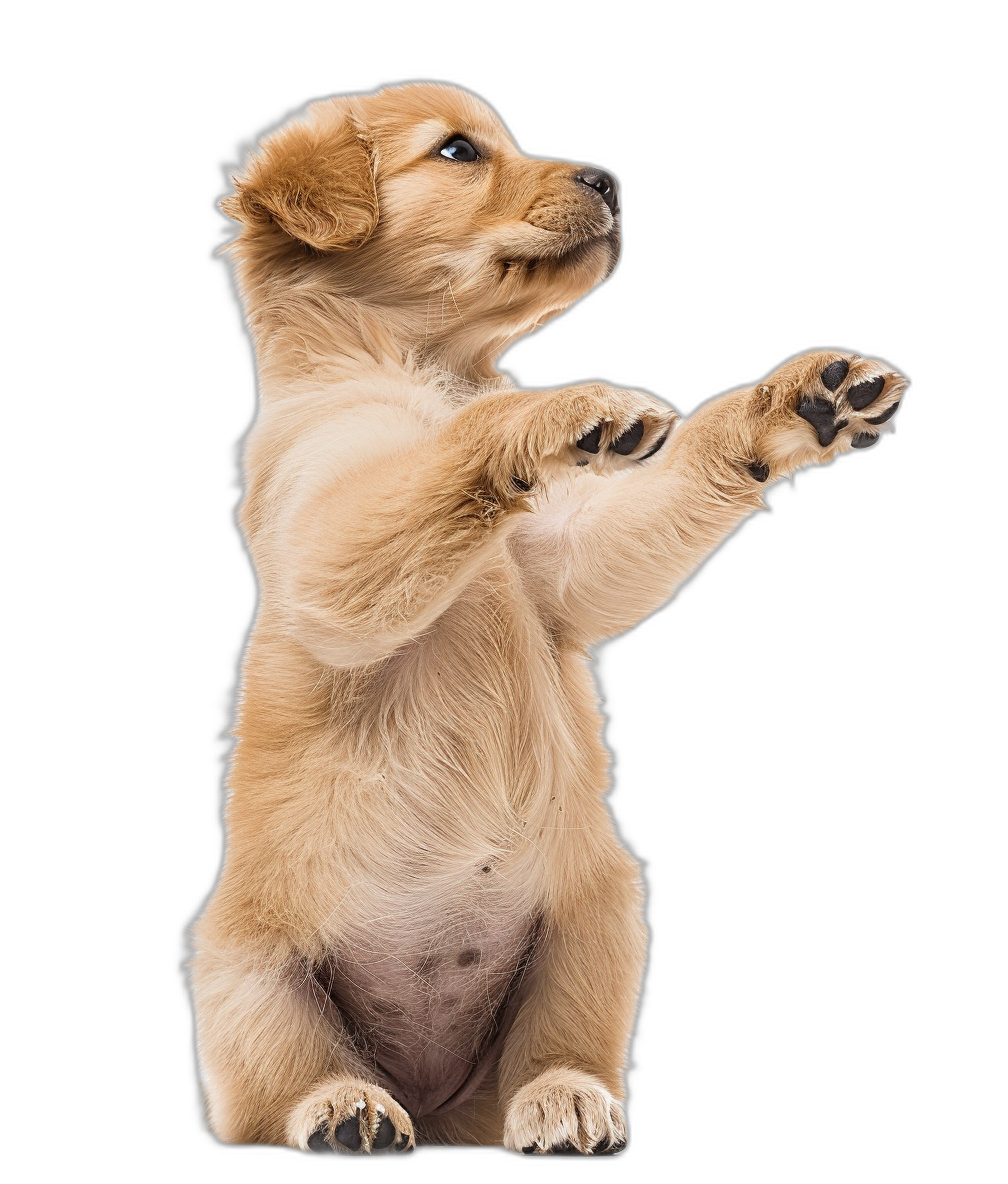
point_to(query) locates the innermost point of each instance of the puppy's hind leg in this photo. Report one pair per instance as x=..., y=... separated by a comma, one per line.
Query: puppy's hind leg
x=561, y=1071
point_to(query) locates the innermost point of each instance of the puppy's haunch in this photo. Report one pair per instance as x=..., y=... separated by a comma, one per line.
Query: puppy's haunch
x=425, y=929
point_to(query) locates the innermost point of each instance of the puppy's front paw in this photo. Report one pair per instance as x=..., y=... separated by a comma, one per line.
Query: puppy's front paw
x=350, y=1115
x=860, y=394
x=598, y=426
x=564, y=1112
x=817, y=406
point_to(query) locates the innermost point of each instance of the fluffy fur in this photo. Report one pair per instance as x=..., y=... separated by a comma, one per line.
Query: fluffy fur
x=425, y=928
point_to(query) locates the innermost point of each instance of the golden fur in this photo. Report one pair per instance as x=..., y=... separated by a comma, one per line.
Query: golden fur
x=417, y=785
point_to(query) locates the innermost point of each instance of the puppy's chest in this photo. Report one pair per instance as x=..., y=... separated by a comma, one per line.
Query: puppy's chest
x=479, y=705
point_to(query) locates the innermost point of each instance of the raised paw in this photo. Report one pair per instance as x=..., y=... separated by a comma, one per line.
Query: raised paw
x=600, y=427
x=564, y=1112
x=520, y=440
x=350, y=1115
x=817, y=406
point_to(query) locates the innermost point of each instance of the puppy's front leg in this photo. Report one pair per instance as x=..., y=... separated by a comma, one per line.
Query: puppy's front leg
x=606, y=554
x=372, y=557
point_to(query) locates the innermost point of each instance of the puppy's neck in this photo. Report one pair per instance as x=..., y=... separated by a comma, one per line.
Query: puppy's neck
x=310, y=333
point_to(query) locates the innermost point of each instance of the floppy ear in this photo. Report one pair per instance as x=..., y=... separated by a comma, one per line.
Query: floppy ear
x=314, y=180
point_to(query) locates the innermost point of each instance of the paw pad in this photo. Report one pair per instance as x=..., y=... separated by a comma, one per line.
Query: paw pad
x=318, y=1142
x=369, y=1126
x=654, y=447
x=348, y=1133
x=865, y=393
x=834, y=374
x=602, y=1147
x=886, y=415
x=384, y=1136
x=628, y=441
x=591, y=441
x=821, y=413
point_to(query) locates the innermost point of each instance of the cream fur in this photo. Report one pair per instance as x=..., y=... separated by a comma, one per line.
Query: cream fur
x=418, y=757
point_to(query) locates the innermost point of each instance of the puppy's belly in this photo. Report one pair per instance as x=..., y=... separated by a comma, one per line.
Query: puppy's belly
x=431, y=1011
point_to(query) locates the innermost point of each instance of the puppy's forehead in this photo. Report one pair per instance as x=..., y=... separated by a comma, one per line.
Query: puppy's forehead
x=411, y=119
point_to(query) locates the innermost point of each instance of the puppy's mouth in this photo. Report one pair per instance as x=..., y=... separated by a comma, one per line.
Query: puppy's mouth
x=567, y=258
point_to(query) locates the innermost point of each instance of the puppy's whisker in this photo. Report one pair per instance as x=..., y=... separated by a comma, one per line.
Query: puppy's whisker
x=457, y=309
x=496, y=348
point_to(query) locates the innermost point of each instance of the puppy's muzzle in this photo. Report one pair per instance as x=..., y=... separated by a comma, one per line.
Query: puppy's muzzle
x=604, y=184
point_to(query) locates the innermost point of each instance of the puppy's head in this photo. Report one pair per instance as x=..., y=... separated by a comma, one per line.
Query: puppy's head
x=414, y=202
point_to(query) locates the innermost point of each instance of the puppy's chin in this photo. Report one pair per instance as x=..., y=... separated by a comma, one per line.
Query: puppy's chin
x=579, y=265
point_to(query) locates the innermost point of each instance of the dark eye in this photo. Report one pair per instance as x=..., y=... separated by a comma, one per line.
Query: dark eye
x=459, y=148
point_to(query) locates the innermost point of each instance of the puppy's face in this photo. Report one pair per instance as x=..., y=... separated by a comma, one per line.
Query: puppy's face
x=459, y=202
x=416, y=200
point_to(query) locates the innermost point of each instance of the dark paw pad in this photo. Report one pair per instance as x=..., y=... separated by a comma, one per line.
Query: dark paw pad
x=654, y=447
x=559, y=1149
x=628, y=441
x=759, y=472
x=603, y=1147
x=385, y=1135
x=591, y=441
x=886, y=415
x=865, y=393
x=820, y=414
x=317, y=1141
x=834, y=374
x=347, y=1134
x=567, y=1148
x=864, y=440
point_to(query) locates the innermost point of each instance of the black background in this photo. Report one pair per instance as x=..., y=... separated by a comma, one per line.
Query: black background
x=759, y=722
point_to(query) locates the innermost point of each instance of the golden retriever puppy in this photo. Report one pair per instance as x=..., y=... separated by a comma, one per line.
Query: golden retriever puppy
x=425, y=929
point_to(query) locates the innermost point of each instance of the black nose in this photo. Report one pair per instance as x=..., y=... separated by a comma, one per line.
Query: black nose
x=602, y=183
